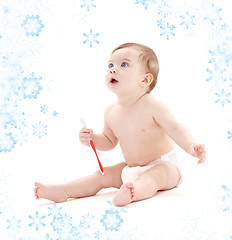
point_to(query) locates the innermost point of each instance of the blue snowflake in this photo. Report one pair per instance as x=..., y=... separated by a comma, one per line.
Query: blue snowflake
x=61, y=222
x=7, y=142
x=187, y=20
x=14, y=223
x=44, y=109
x=222, y=53
x=167, y=28
x=54, y=211
x=91, y=38
x=216, y=76
x=31, y=86
x=98, y=235
x=226, y=198
x=111, y=220
x=190, y=222
x=223, y=97
x=164, y=9
x=229, y=134
x=88, y=4
x=37, y=221
x=39, y=130
x=87, y=221
x=71, y=232
x=6, y=9
x=145, y=3
x=32, y=25
x=54, y=113
x=212, y=13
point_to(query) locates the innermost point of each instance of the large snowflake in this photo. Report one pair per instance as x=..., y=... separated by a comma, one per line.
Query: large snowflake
x=111, y=220
x=32, y=25
x=91, y=37
x=37, y=221
x=39, y=129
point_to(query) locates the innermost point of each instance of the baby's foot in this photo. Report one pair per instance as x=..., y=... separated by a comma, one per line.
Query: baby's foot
x=125, y=195
x=55, y=193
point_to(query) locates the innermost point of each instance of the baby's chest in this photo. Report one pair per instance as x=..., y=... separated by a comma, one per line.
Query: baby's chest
x=132, y=125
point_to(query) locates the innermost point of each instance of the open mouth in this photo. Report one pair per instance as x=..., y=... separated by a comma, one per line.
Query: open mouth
x=113, y=81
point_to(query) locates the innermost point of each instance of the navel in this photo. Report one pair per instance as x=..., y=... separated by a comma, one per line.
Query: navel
x=143, y=130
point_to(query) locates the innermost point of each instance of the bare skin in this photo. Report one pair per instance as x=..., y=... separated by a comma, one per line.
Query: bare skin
x=145, y=130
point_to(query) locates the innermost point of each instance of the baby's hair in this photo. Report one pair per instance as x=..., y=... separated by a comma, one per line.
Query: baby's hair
x=148, y=57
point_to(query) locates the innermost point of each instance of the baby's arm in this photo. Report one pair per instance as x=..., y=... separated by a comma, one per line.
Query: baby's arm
x=179, y=133
x=103, y=141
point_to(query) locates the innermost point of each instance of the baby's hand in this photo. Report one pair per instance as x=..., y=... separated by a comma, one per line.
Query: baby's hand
x=85, y=135
x=199, y=152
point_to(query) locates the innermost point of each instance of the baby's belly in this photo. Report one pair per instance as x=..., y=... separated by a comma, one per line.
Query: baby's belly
x=140, y=155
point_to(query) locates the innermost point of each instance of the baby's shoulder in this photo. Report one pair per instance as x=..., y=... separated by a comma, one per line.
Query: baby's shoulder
x=155, y=106
x=109, y=109
x=152, y=101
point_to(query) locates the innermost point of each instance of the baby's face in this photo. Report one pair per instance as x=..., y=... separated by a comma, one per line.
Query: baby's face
x=125, y=71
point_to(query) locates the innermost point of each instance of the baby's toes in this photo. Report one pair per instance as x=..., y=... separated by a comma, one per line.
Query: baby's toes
x=132, y=195
x=36, y=195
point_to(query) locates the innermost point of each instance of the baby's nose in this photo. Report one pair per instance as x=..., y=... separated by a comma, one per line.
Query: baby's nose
x=112, y=70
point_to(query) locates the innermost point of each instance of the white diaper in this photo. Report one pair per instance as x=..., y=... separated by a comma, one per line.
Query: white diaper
x=132, y=174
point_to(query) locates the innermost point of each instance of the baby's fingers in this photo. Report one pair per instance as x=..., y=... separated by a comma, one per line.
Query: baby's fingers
x=85, y=136
x=201, y=153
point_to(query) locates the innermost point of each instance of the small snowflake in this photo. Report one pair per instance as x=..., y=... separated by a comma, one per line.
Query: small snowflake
x=212, y=13
x=44, y=109
x=54, y=211
x=98, y=235
x=54, y=113
x=164, y=9
x=37, y=221
x=111, y=220
x=87, y=220
x=187, y=20
x=88, y=4
x=226, y=198
x=145, y=3
x=14, y=223
x=216, y=76
x=39, y=130
x=229, y=134
x=31, y=86
x=6, y=9
x=7, y=142
x=91, y=38
x=32, y=25
x=167, y=28
x=61, y=223
x=223, y=97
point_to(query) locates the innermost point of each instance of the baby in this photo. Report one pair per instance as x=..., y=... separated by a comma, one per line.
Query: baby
x=145, y=130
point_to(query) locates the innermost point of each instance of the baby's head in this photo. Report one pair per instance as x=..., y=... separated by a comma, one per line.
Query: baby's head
x=147, y=57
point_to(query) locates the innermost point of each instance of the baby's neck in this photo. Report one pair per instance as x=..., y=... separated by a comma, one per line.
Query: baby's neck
x=130, y=100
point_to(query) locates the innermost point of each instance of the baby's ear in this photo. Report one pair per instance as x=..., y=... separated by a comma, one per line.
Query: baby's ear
x=147, y=80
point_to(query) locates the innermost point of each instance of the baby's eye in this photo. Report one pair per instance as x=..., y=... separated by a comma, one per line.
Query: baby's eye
x=124, y=64
x=111, y=65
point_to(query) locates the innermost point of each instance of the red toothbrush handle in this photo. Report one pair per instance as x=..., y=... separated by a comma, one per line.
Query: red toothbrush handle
x=99, y=163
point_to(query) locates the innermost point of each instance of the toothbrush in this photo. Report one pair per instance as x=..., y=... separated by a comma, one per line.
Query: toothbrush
x=93, y=147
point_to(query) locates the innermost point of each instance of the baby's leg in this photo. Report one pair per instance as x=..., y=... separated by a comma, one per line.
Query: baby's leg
x=82, y=187
x=162, y=176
